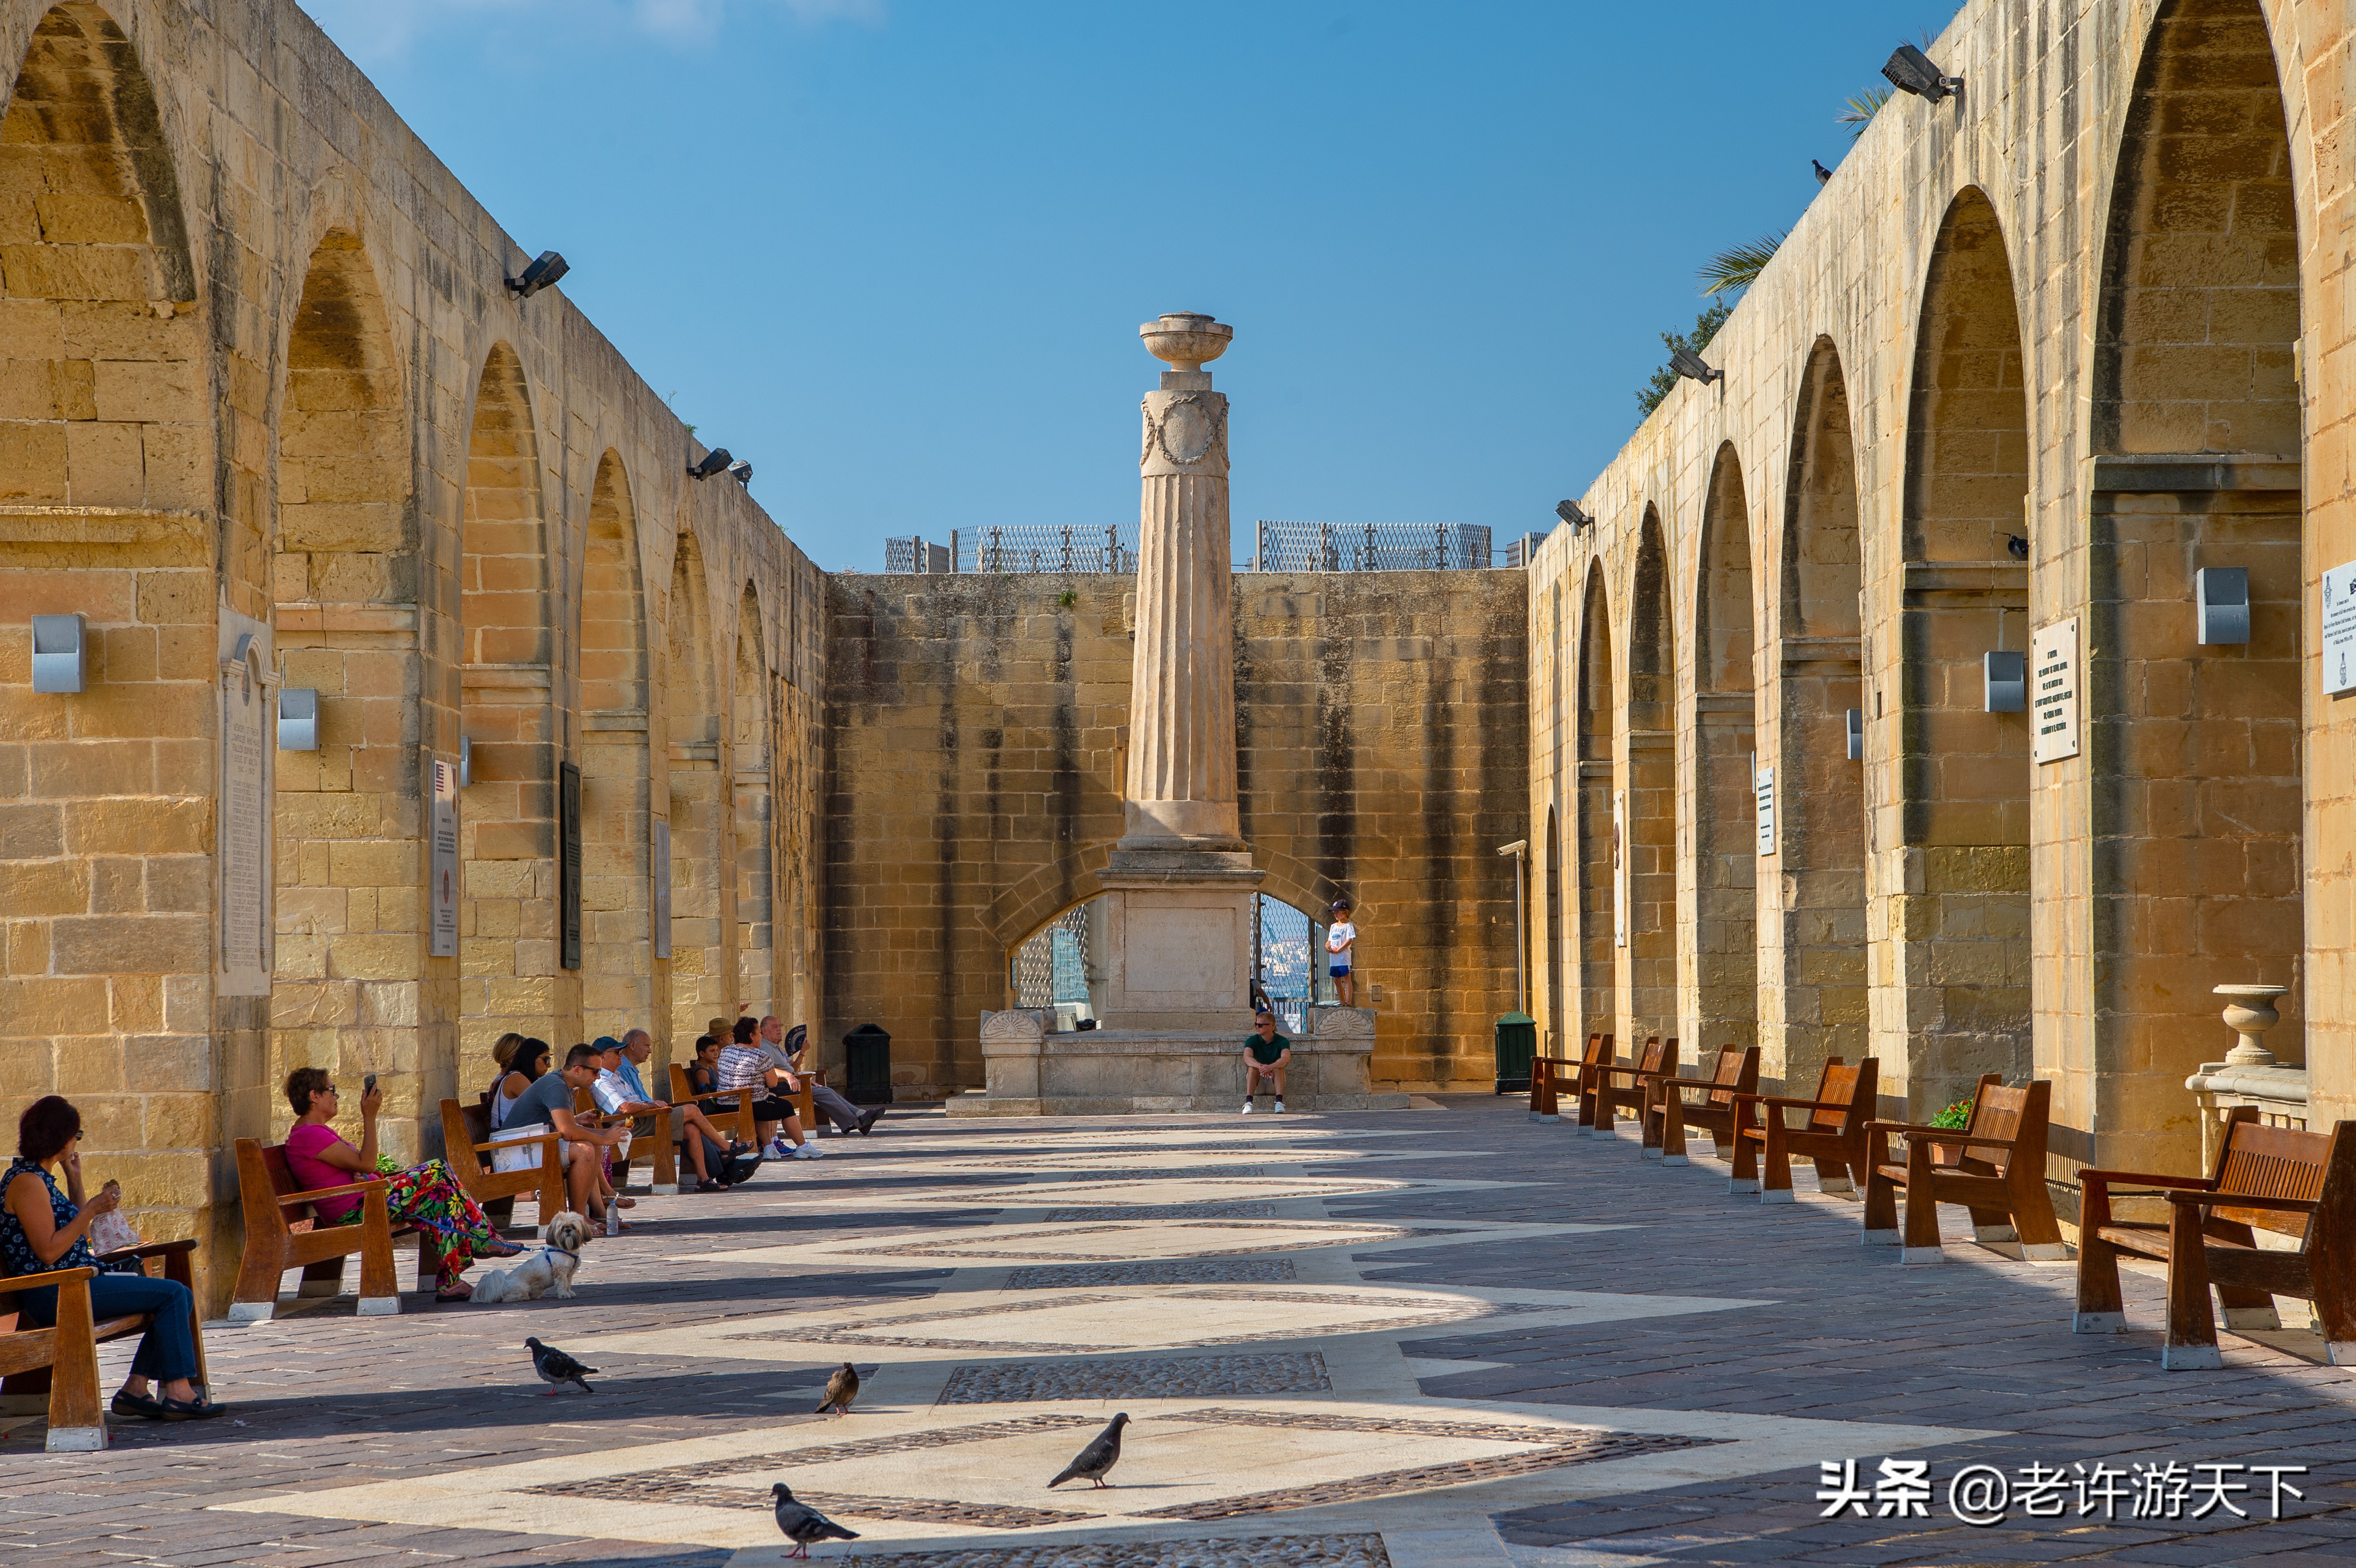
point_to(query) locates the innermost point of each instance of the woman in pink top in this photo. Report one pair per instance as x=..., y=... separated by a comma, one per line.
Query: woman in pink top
x=425, y=1196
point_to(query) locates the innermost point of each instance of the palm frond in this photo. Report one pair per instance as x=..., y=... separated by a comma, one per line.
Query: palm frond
x=1862, y=108
x=1738, y=266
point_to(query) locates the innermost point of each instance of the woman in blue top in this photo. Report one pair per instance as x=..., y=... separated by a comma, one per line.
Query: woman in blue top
x=43, y=1229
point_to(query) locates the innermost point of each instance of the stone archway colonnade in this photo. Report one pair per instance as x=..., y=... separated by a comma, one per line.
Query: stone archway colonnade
x=2035, y=357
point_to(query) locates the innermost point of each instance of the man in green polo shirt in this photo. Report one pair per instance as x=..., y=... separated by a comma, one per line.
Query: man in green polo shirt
x=1265, y=1054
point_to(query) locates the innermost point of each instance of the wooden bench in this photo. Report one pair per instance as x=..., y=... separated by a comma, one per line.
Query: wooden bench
x=1611, y=1088
x=466, y=1149
x=2300, y=1184
x=1670, y=1113
x=684, y=1094
x=1549, y=1075
x=1997, y=1170
x=266, y=1191
x=1833, y=1136
x=57, y=1368
x=664, y=1182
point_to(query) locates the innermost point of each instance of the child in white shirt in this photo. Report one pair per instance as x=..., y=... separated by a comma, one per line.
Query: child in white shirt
x=1340, y=938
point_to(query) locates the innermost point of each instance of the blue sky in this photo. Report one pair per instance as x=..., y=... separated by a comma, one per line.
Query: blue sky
x=895, y=253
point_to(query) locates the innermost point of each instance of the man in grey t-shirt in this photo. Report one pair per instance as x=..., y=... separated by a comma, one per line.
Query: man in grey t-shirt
x=549, y=1104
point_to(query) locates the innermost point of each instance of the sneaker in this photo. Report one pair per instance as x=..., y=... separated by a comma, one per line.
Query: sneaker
x=780, y=1149
x=1279, y=1107
x=807, y=1151
x=1247, y=1107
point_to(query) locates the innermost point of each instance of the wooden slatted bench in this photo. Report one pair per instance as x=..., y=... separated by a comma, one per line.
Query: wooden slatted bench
x=1549, y=1075
x=1998, y=1171
x=684, y=1094
x=266, y=1191
x=1833, y=1136
x=1670, y=1113
x=2300, y=1184
x=1612, y=1088
x=58, y=1367
x=466, y=1149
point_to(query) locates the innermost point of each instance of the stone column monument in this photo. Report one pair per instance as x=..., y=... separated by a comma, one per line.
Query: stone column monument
x=1179, y=891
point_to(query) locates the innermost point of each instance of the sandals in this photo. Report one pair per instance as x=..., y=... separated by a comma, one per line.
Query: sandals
x=502, y=1249
x=709, y=1185
x=461, y=1291
x=145, y=1406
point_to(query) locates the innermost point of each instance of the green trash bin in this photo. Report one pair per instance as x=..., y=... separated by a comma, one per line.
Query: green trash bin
x=1517, y=1049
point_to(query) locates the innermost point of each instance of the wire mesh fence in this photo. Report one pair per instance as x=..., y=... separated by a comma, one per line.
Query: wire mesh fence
x=913, y=554
x=1053, y=965
x=1276, y=547
x=1040, y=548
x=1371, y=547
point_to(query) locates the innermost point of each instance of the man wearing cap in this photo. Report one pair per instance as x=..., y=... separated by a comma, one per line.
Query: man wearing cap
x=621, y=1091
x=784, y=1047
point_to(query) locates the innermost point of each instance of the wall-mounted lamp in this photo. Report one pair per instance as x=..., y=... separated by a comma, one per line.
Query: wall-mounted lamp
x=1911, y=70
x=1857, y=734
x=539, y=275
x=741, y=472
x=1691, y=366
x=716, y=461
x=59, y=656
x=465, y=761
x=1569, y=513
x=2223, y=592
x=2004, y=682
x=298, y=719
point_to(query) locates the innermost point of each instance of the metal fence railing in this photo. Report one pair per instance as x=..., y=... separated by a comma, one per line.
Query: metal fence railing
x=1371, y=547
x=913, y=554
x=1039, y=548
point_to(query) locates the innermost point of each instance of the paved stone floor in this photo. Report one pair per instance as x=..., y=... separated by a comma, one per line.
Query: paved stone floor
x=1443, y=1336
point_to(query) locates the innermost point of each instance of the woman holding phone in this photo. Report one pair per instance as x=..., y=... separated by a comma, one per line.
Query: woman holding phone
x=42, y=1228
x=425, y=1195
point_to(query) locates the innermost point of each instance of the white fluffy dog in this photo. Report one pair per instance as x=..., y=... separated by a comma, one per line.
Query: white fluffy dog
x=548, y=1269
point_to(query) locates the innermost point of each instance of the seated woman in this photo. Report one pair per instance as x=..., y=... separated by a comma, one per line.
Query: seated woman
x=43, y=1229
x=522, y=1064
x=426, y=1196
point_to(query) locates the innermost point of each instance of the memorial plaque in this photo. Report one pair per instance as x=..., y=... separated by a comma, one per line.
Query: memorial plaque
x=243, y=831
x=2339, y=620
x=662, y=888
x=2053, y=691
x=1762, y=792
x=442, y=931
x=568, y=865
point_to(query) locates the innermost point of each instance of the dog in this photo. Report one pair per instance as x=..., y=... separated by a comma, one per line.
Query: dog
x=548, y=1270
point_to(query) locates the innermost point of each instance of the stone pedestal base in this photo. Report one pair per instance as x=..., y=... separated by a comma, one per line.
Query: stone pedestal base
x=1130, y=1072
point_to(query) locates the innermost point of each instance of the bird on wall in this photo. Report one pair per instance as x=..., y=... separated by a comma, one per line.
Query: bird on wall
x=840, y=1390
x=555, y=1367
x=1823, y=174
x=1094, y=1462
x=804, y=1525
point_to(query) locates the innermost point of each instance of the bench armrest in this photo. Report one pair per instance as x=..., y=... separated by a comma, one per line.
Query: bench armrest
x=2247, y=1200
x=1953, y=1136
x=1787, y=1101
x=547, y=1137
x=288, y=1199
x=151, y=1250
x=43, y=1281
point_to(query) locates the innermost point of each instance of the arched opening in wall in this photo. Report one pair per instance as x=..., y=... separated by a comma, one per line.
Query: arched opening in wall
x=344, y=579
x=1602, y=905
x=754, y=723
x=2194, y=750
x=1962, y=958
x=509, y=978
x=1060, y=966
x=698, y=965
x=1561, y=1018
x=1817, y=1004
x=1726, y=838
x=1649, y=807
x=617, y=786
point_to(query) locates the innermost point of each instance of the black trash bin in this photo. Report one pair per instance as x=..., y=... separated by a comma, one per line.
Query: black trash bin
x=867, y=1063
x=1517, y=1049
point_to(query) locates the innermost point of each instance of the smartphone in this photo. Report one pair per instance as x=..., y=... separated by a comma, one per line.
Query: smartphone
x=368, y=1084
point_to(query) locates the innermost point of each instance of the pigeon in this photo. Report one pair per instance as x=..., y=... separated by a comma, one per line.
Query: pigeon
x=804, y=1525
x=1095, y=1461
x=840, y=1390
x=555, y=1367
x=1823, y=174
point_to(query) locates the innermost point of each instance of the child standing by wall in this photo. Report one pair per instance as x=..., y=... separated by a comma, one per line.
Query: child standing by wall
x=1340, y=938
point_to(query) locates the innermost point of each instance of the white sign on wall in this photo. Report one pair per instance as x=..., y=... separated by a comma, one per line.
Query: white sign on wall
x=1763, y=790
x=2053, y=691
x=662, y=888
x=442, y=863
x=2339, y=630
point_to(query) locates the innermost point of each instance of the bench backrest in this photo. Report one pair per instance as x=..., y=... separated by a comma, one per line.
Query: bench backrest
x=2274, y=1162
x=1737, y=1073
x=1845, y=1096
x=1600, y=1048
x=2017, y=1114
x=464, y=1127
x=1952, y=1156
x=262, y=1179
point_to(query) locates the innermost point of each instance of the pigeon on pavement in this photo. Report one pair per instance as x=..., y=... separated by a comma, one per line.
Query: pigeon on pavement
x=840, y=1390
x=1095, y=1461
x=804, y=1525
x=555, y=1367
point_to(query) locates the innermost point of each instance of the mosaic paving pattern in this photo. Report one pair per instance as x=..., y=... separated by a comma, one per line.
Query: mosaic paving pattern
x=850, y=1505
x=1137, y=1212
x=662, y=1485
x=1258, y=1551
x=1175, y=1377
x=1214, y=1271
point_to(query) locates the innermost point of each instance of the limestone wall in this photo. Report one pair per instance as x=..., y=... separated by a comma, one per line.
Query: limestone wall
x=975, y=727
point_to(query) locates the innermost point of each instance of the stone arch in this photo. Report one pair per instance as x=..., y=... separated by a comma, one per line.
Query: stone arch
x=1816, y=1005
x=344, y=581
x=1725, y=899
x=2195, y=752
x=752, y=725
x=699, y=966
x=1649, y=805
x=1600, y=900
x=1962, y=953
x=616, y=783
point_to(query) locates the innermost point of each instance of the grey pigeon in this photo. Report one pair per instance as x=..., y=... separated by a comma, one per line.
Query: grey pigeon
x=1823, y=174
x=804, y=1525
x=555, y=1367
x=1094, y=1462
x=840, y=1390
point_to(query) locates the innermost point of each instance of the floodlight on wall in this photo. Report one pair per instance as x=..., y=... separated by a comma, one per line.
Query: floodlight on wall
x=546, y=269
x=1911, y=70
x=2224, y=593
x=298, y=719
x=465, y=761
x=1569, y=513
x=1689, y=365
x=716, y=461
x=1857, y=734
x=741, y=472
x=2004, y=682
x=60, y=660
